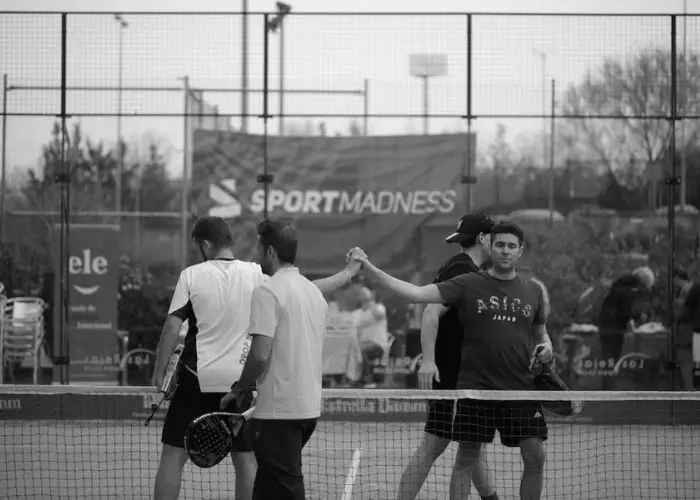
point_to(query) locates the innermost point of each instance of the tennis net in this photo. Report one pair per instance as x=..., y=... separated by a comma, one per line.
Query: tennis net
x=77, y=442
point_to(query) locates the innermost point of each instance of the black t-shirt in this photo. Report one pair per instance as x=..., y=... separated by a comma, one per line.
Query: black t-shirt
x=692, y=305
x=498, y=318
x=448, y=346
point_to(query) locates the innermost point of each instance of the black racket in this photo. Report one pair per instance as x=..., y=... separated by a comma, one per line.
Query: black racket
x=209, y=438
x=167, y=389
x=549, y=380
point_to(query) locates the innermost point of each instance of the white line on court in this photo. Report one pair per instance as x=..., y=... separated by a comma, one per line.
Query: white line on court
x=352, y=473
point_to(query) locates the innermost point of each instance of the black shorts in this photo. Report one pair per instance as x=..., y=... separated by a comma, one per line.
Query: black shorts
x=278, y=445
x=441, y=411
x=189, y=403
x=476, y=421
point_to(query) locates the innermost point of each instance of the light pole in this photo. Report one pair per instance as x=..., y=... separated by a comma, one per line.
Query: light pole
x=543, y=56
x=426, y=66
x=120, y=150
x=273, y=25
x=3, y=159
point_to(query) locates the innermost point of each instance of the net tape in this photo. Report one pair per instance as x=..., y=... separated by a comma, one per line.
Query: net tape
x=407, y=394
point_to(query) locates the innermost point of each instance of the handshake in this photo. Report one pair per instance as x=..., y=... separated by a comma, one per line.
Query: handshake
x=355, y=259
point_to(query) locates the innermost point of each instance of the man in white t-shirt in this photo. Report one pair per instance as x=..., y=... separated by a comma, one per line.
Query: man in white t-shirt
x=214, y=297
x=288, y=327
x=372, y=333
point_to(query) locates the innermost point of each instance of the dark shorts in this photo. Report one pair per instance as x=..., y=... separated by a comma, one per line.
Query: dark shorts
x=278, y=445
x=441, y=412
x=190, y=403
x=477, y=421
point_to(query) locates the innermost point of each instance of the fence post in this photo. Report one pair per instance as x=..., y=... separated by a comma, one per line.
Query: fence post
x=64, y=217
x=671, y=184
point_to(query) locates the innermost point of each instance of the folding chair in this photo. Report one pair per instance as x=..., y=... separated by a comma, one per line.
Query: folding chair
x=21, y=334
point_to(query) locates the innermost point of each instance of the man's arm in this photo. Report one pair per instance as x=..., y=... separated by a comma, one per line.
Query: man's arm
x=544, y=350
x=180, y=309
x=333, y=283
x=540, y=335
x=256, y=362
x=428, y=294
x=262, y=327
x=166, y=346
x=429, y=330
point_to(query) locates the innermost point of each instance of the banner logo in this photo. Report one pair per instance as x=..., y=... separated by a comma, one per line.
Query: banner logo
x=85, y=265
x=329, y=201
x=226, y=202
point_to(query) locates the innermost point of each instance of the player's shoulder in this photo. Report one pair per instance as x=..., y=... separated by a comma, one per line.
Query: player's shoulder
x=252, y=267
x=455, y=266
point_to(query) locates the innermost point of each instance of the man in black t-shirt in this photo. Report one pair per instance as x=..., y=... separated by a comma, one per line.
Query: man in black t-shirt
x=503, y=316
x=441, y=342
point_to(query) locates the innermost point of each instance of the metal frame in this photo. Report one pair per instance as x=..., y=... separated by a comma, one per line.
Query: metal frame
x=672, y=183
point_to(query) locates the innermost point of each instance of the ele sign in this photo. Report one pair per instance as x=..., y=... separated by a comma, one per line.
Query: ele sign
x=92, y=266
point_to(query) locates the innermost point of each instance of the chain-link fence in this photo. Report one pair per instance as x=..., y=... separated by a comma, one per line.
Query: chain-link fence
x=376, y=130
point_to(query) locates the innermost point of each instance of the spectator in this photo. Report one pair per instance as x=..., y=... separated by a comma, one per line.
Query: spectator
x=625, y=305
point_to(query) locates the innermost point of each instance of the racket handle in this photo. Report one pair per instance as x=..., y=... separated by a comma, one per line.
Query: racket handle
x=154, y=407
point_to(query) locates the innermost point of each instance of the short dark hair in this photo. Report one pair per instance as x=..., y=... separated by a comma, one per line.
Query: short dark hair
x=282, y=237
x=215, y=230
x=508, y=228
x=469, y=242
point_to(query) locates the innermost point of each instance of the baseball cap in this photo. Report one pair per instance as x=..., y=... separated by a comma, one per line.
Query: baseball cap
x=471, y=225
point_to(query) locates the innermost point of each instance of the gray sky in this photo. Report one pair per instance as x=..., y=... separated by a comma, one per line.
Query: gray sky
x=322, y=52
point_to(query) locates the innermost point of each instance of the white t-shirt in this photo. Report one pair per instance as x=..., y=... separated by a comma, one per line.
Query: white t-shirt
x=290, y=309
x=371, y=329
x=214, y=297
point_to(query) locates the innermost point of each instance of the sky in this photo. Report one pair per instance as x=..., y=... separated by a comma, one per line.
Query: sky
x=322, y=52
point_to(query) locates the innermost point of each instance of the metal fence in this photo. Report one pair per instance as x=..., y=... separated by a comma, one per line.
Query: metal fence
x=568, y=111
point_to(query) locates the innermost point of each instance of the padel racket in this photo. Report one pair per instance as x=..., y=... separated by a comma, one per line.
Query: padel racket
x=209, y=438
x=549, y=380
x=167, y=388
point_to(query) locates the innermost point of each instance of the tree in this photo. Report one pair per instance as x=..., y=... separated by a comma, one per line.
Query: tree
x=632, y=99
x=91, y=170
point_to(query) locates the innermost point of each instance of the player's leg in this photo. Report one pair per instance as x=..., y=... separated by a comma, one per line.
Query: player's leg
x=534, y=456
x=181, y=412
x=481, y=480
x=522, y=423
x=474, y=425
x=415, y=474
x=246, y=466
x=278, y=445
x=169, y=475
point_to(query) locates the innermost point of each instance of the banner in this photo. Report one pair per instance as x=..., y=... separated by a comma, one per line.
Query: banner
x=93, y=280
x=373, y=192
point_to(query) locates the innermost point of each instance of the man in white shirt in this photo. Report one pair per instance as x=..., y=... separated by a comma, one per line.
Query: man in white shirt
x=214, y=297
x=288, y=327
x=372, y=333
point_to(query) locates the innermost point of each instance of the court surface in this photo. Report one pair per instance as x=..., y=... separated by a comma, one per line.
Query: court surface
x=63, y=459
